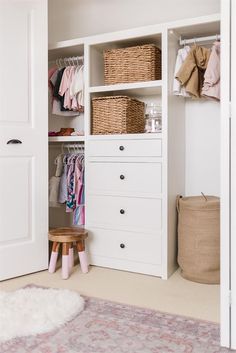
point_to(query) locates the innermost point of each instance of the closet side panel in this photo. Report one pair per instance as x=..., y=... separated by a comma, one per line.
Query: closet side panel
x=202, y=147
x=176, y=153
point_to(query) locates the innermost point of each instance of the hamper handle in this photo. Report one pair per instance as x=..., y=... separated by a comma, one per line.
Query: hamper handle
x=204, y=196
x=177, y=201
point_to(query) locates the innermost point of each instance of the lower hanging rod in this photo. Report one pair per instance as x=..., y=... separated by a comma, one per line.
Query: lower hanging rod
x=199, y=39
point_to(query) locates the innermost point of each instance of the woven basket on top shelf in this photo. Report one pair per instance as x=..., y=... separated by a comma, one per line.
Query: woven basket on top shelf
x=133, y=64
x=117, y=115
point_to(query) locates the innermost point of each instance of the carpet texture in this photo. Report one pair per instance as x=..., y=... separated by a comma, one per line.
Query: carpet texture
x=107, y=327
x=33, y=310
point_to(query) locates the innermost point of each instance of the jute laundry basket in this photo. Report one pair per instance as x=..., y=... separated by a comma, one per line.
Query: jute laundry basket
x=199, y=238
x=132, y=64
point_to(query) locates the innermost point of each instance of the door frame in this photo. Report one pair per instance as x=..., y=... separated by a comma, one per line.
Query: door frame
x=225, y=287
x=233, y=173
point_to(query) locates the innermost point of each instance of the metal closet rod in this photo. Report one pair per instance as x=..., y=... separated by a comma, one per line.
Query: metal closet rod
x=71, y=145
x=69, y=60
x=199, y=39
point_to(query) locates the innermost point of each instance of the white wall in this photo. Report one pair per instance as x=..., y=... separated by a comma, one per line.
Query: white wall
x=77, y=18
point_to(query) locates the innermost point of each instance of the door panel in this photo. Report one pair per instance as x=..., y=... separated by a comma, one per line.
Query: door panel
x=17, y=200
x=23, y=116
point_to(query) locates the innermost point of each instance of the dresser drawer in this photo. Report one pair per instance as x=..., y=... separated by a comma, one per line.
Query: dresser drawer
x=125, y=148
x=125, y=178
x=127, y=213
x=124, y=245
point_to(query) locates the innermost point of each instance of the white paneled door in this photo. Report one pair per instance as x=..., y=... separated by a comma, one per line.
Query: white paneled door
x=23, y=137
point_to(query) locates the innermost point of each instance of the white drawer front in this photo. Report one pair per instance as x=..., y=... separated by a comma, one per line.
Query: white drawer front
x=133, y=214
x=125, y=178
x=125, y=148
x=124, y=245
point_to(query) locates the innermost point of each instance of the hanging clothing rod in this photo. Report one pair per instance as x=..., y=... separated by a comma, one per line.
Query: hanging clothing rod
x=199, y=39
x=70, y=60
x=71, y=145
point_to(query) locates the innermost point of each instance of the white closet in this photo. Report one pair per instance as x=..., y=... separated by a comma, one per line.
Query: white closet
x=132, y=180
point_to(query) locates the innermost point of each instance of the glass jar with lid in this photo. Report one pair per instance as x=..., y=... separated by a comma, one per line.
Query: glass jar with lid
x=153, y=118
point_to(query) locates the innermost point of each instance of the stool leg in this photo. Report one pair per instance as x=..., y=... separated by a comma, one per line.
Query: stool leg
x=71, y=256
x=53, y=258
x=82, y=256
x=65, y=260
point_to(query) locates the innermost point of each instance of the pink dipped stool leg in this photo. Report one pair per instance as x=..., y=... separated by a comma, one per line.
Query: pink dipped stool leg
x=71, y=256
x=53, y=258
x=65, y=261
x=82, y=256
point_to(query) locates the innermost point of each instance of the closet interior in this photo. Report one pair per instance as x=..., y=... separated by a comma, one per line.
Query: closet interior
x=131, y=181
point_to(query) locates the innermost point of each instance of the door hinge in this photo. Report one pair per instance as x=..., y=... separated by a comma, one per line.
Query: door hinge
x=230, y=298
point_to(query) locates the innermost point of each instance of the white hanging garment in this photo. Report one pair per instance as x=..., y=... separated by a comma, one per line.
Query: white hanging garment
x=77, y=88
x=179, y=90
x=54, y=183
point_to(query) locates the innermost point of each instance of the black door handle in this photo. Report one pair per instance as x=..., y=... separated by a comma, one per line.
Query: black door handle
x=121, y=148
x=122, y=211
x=13, y=142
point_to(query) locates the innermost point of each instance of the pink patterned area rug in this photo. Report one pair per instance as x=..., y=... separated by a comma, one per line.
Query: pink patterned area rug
x=108, y=327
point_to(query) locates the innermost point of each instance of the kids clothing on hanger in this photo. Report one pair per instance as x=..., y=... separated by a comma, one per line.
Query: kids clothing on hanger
x=191, y=73
x=211, y=86
x=54, y=183
x=66, y=87
x=178, y=89
x=68, y=188
x=57, y=100
x=77, y=88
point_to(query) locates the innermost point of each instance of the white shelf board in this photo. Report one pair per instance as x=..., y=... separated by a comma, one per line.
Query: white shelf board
x=66, y=139
x=136, y=88
x=143, y=136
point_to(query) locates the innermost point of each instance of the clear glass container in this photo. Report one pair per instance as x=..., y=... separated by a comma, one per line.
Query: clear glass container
x=153, y=118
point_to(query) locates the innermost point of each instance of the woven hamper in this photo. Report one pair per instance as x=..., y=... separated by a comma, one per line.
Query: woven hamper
x=117, y=115
x=133, y=64
x=199, y=238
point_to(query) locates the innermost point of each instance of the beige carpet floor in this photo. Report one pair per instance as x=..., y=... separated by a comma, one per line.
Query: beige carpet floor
x=175, y=295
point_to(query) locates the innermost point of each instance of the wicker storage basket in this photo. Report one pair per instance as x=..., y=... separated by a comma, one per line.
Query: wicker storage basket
x=199, y=238
x=117, y=115
x=139, y=63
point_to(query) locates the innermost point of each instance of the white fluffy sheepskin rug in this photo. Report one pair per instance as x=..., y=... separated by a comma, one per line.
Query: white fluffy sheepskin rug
x=30, y=311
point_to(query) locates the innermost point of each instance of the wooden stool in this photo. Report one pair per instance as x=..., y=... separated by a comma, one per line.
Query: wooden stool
x=67, y=237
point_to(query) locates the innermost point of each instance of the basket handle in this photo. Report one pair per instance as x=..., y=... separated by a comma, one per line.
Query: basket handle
x=204, y=196
x=177, y=201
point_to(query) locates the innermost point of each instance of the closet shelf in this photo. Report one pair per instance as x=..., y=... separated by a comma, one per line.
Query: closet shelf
x=136, y=88
x=66, y=138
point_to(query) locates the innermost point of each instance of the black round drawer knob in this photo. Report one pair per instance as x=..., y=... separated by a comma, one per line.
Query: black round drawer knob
x=122, y=211
x=122, y=177
x=122, y=246
x=121, y=148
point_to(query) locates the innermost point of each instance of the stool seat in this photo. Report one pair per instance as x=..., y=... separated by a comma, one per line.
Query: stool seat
x=68, y=236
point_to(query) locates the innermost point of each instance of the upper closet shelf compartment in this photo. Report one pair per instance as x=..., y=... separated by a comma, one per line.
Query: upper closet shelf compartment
x=136, y=88
x=66, y=49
